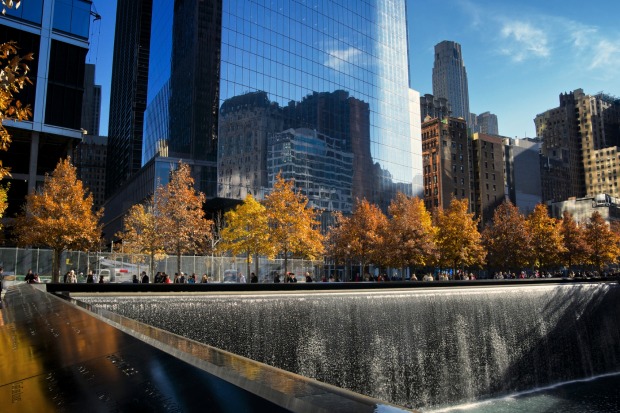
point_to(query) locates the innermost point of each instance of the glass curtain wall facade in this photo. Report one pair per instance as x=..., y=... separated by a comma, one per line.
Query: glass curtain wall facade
x=128, y=92
x=57, y=33
x=238, y=73
x=339, y=68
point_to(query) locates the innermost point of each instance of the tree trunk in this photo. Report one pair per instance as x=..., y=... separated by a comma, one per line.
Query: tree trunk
x=256, y=264
x=179, y=260
x=285, y=262
x=56, y=265
x=247, y=267
x=151, y=267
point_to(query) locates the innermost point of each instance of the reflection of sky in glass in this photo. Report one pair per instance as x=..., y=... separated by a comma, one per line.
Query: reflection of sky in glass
x=161, y=46
x=290, y=50
x=32, y=13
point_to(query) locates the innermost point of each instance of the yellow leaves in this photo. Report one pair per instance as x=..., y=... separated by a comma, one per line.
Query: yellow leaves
x=60, y=215
x=13, y=76
x=178, y=207
x=247, y=229
x=409, y=235
x=359, y=236
x=546, y=239
x=293, y=227
x=507, y=239
x=458, y=238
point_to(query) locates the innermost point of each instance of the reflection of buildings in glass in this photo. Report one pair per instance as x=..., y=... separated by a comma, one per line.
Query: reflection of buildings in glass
x=244, y=124
x=157, y=125
x=194, y=80
x=128, y=91
x=306, y=55
x=340, y=122
x=229, y=48
x=345, y=119
x=320, y=166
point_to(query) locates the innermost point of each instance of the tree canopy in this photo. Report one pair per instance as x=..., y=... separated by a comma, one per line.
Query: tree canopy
x=247, y=231
x=458, y=238
x=293, y=226
x=359, y=237
x=178, y=208
x=59, y=216
x=507, y=239
x=546, y=238
x=602, y=240
x=409, y=239
x=142, y=232
x=575, y=247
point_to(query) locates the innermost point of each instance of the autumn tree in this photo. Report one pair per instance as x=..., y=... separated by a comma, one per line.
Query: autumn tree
x=409, y=239
x=602, y=240
x=13, y=77
x=507, y=239
x=359, y=237
x=293, y=226
x=546, y=238
x=458, y=239
x=576, y=249
x=247, y=231
x=182, y=221
x=59, y=216
x=142, y=232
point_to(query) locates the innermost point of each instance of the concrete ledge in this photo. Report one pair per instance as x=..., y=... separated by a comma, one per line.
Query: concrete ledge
x=302, y=286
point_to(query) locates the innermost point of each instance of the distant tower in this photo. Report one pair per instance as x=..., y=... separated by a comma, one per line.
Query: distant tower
x=130, y=69
x=91, y=105
x=487, y=123
x=450, y=78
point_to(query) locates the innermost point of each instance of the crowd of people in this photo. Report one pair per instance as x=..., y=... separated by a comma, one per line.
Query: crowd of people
x=290, y=277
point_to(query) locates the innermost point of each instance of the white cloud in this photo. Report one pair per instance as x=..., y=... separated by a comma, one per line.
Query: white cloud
x=523, y=41
x=337, y=58
x=601, y=51
x=606, y=56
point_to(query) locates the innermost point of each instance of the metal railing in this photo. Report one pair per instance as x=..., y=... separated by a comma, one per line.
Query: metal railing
x=17, y=261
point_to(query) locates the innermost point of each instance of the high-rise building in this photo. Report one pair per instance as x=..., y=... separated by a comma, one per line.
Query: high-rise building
x=523, y=182
x=580, y=146
x=434, y=107
x=91, y=105
x=488, y=175
x=57, y=33
x=487, y=124
x=317, y=65
x=447, y=162
x=130, y=69
x=89, y=158
x=450, y=78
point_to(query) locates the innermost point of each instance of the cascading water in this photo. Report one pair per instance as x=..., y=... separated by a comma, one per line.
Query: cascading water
x=414, y=348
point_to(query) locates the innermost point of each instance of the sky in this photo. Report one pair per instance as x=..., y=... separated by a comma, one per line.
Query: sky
x=519, y=55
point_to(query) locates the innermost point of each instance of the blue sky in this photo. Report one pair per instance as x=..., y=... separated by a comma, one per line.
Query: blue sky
x=520, y=55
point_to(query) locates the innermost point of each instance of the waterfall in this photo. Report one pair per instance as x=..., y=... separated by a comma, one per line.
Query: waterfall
x=415, y=348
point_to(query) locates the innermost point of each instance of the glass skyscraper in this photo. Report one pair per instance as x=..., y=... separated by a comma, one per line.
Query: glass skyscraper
x=337, y=67
x=238, y=74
